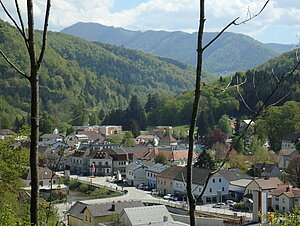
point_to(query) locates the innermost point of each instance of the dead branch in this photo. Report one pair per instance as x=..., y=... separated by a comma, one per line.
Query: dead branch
x=44, y=33
x=252, y=17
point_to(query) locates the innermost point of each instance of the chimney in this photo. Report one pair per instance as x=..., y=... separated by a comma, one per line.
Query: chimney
x=113, y=207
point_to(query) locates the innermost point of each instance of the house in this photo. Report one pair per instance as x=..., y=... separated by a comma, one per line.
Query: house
x=289, y=141
x=121, y=158
x=100, y=163
x=52, y=137
x=265, y=170
x=285, y=197
x=284, y=156
x=136, y=172
x=173, y=180
x=44, y=175
x=174, y=154
x=237, y=180
x=151, y=173
x=92, y=136
x=141, y=139
x=237, y=189
x=85, y=214
x=110, y=130
x=167, y=140
x=147, y=215
x=5, y=133
x=266, y=185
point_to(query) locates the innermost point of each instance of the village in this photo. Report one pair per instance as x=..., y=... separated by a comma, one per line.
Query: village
x=152, y=174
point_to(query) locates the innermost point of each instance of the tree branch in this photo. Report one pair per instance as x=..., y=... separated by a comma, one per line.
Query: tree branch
x=13, y=66
x=22, y=24
x=12, y=19
x=220, y=33
x=44, y=33
x=252, y=17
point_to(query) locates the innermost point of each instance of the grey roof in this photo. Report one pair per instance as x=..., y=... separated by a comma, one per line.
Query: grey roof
x=241, y=182
x=43, y=173
x=176, y=173
x=233, y=174
x=139, y=148
x=158, y=168
x=76, y=210
x=138, y=164
x=51, y=136
x=106, y=208
x=147, y=214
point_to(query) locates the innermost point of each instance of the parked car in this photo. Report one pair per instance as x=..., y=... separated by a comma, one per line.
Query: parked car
x=176, y=198
x=140, y=186
x=230, y=202
x=219, y=205
x=168, y=196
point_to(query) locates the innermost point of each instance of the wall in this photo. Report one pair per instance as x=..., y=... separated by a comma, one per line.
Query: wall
x=199, y=220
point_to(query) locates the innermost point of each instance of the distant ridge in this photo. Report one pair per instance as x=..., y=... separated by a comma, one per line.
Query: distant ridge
x=232, y=52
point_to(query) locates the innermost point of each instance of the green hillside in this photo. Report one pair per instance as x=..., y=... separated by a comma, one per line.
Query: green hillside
x=230, y=53
x=79, y=75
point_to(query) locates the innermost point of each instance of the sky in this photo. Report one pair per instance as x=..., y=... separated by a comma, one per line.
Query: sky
x=278, y=23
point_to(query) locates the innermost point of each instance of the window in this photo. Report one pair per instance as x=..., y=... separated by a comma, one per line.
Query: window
x=86, y=217
x=283, y=209
x=223, y=189
x=214, y=180
x=283, y=200
x=296, y=200
x=277, y=199
x=277, y=207
x=220, y=180
x=90, y=219
x=210, y=190
x=106, y=163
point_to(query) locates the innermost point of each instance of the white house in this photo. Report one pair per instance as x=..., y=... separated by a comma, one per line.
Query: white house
x=285, y=197
x=152, y=172
x=136, y=172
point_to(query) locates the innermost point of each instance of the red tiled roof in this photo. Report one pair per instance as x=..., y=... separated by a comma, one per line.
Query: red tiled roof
x=288, y=190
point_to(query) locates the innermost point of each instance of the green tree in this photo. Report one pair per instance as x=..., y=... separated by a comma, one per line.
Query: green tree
x=293, y=171
x=135, y=112
x=128, y=139
x=134, y=128
x=161, y=158
x=224, y=125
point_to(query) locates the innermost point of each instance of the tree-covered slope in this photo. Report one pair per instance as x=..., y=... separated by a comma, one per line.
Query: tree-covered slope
x=78, y=75
x=230, y=53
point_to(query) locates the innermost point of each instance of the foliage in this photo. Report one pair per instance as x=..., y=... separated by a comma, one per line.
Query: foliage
x=284, y=219
x=221, y=57
x=293, y=171
x=116, y=138
x=205, y=161
x=277, y=122
x=74, y=184
x=161, y=158
x=217, y=137
x=100, y=192
x=224, y=125
x=81, y=80
x=128, y=139
x=83, y=187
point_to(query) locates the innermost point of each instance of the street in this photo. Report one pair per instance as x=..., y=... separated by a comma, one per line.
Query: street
x=135, y=194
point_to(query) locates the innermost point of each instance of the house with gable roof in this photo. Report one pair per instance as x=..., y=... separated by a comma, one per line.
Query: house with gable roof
x=173, y=180
x=94, y=214
x=136, y=172
x=284, y=156
x=151, y=173
x=285, y=197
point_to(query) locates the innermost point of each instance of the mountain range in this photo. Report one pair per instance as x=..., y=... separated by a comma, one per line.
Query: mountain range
x=230, y=53
x=78, y=74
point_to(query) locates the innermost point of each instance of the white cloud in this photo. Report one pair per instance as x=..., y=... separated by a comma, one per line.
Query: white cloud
x=169, y=14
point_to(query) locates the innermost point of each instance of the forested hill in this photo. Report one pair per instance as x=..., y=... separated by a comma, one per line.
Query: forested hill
x=77, y=75
x=230, y=53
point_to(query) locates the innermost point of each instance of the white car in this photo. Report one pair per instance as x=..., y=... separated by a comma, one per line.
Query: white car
x=168, y=196
x=219, y=205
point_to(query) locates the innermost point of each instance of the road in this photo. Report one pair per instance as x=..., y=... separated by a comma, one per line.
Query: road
x=137, y=194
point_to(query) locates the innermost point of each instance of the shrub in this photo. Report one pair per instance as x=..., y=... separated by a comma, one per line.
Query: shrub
x=74, y=184
x=100, y=192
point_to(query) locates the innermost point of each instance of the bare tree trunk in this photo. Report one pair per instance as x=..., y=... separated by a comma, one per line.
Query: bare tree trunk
x=34, y=83
x=191, y=198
